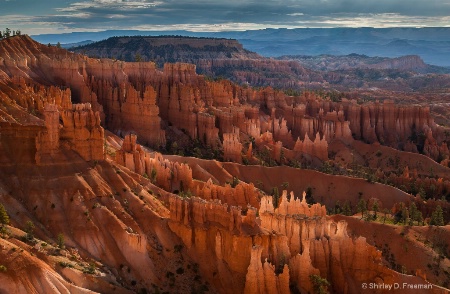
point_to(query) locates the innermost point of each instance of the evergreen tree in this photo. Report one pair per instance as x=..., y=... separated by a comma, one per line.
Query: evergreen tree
x=7, y=33
x=58, y=45
x=437, y=218
x=405, y=214
x=153, y=175
x=375, y=208
x=320, y=285
x=137, y=57
x=347, y=209
x=337, y=207
x=413, y=213
x=60, y=241
x=29, y=229
x=4, y=218
x=275, y=196
x=386, y=211
x=309, y=196
x=362, y=207
x=235, y=182
x=285, y=185
x=422, y=193
x=419, y=218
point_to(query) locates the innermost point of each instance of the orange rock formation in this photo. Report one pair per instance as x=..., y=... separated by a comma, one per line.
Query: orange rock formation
x=124, y=214
x=232, y=146
x=82, y=131
x=168, y=175
x=136, y=97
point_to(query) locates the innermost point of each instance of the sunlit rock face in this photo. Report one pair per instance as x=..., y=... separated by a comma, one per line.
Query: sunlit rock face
x=74, y=160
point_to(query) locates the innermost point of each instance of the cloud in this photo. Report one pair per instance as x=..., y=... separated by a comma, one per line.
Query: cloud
x=112, y=5
x=213, y=15
x=384, y=20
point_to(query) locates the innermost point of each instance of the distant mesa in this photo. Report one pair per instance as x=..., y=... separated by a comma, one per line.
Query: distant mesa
x=356, y=61
x=306, y=41
x=400, y=42
x=162, y=49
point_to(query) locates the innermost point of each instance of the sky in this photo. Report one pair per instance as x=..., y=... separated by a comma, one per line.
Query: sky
x=62, y=16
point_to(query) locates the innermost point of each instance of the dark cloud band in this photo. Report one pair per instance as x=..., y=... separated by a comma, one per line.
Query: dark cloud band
x=115, y=14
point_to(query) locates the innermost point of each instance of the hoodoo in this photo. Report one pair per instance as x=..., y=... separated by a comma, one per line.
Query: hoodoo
x=121, y=177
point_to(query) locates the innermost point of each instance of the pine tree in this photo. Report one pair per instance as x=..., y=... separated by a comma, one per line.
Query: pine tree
x=29, y=229
x=275, y=196
x=320, y=285
x=337, y=207
x=419, y=218
x=405, y=214
x=4, y=218
x=309, y=196
x=362, y=207
x=138, y=57
x=375, y=208
x=153, y=175
x=413, y=212
x=386, y=211
x=347, y=209
x=437, y=218
x=7, y=33
x=60, y=241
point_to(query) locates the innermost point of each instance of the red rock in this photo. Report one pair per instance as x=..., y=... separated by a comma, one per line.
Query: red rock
x=82, y=131
x=242, y=195
x=261, y=278
x=232, y=147
x=318, y=148
x=47, y=142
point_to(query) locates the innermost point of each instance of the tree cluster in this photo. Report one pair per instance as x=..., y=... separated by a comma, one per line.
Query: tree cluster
x=8, y=33
x=320, y=285
x=437, y=218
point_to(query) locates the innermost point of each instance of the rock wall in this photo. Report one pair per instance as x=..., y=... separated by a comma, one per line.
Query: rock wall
x=321, y=247
x=130, y=110
x=317, y=148
x=165, y=174
x=195, y=210
x=132, y=156
x=82, y=131
x=261, y=277
x=232, y=147
x=136, y=96
x=207, y=132
x=47, y=142
x=291, y=243
x=242, y=195
x=386, y=122
x=34, y=96
x=292, y=206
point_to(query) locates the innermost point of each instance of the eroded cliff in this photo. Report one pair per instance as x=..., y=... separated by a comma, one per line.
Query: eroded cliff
x=136, y=220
